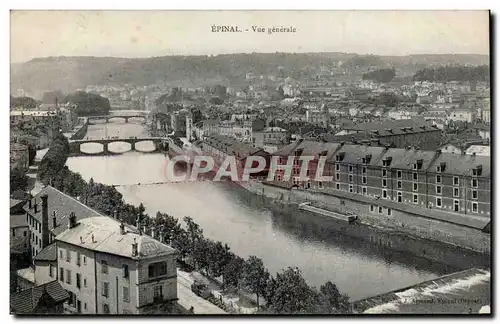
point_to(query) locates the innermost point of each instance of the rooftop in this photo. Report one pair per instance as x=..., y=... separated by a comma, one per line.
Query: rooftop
x=102, y=234
x=26, y=301
x=60, y=205
x=49, y=253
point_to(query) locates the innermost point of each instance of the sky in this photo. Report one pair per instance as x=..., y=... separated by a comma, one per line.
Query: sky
x=160, y=33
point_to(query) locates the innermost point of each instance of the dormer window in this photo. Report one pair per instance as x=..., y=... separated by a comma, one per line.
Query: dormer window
x=414, y=166
x=438, y=168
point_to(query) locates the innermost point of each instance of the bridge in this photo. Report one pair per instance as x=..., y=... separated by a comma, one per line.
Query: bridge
x=161, y=145
x=108, y=117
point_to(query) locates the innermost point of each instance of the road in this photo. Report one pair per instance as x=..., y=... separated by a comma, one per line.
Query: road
x=187, y=298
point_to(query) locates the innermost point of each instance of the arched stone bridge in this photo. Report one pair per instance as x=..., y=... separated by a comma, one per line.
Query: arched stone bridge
x=108, y=117
x=161, y=145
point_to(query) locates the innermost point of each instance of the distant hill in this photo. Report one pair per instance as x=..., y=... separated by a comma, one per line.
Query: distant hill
x=72, y=73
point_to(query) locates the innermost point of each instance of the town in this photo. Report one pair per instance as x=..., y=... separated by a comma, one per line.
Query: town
x=239, y=184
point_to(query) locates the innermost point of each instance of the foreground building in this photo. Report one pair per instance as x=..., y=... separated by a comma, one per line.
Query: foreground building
x=110, y=268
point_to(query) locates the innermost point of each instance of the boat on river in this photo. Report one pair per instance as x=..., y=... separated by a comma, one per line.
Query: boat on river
x=328, y=213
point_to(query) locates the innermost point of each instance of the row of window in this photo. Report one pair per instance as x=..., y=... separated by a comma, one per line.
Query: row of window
x=14, y=232
x=125, y=292
x=104, y=263
x=34, y=223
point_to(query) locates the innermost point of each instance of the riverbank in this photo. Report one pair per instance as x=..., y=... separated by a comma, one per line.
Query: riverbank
x=433, y=240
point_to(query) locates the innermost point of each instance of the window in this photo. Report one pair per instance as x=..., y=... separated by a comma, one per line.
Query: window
x=78, y=283
x=380, y=210
x=84, y=260
x=364, y=190
x=438, y=168
x=455, y=192
x=68, y=256
x=13, y=232
x=389, y=212
x=61, y=274
x=105, y=289
x=337, y=186
x=158, y=292
x=455, y=181
x=24, y=233
x=363, y=170
x=384, y=183
x=85, y=306
x=415, y=186
x=438, y=179
x=351, y=188
x=474, y=194
x=51, y=270
x=72, y=299
x=400, y=184
x=84, y=282
x=350, y=178
x=157, y=269
x=78, y=306
x=474, y=207
x=384, y=173
x=438, y=190
x=384, y=193
x=439, y=202
x=363, y=180
x=337, y=176
x=36, y=240
x=39, y=229
x=372, y=208
x=105, y=308
x=415, y=176
x=320, y=184
x=337, y=167
x=414, y=166
x=350, y=168
x=126, y=295
x=68, y=277
x=415, y=199
x=78, y=256
x=400, y=197
x=456, y=205
x=474, y=183
x=125, y=271
x=104, y=266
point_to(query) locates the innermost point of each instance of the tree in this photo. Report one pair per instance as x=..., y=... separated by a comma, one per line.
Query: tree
x=291, y=294
x=255, y=276
x=219, y=258
x=331, y=301
x=195, y=233
x=215, y=101
x=233, y=270
x=381, y=75
x=18, y=179
x=88, y=103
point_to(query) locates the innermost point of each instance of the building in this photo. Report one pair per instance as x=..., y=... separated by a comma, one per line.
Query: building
x=46, y=299
x=19, y=157
x=398, y=133
x=220, y=147
x=460, y=185
x=47, y=215
x=110, y=268
x=305, y=148
x=19, y=229
x=271, y=138
x=178, y=121
x=462, y=114
x=480, y=150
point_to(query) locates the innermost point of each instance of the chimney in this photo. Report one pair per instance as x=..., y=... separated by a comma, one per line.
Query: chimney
x=122, y=228
x=29, y=204
x=93, y=241
x=72, y=220
x=35, y=207
x=134, y=248
x=115, y=214
x=45, y=221
x=54, y=223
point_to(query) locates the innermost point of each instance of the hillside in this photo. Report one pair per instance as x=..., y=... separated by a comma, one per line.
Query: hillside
x=72, y=73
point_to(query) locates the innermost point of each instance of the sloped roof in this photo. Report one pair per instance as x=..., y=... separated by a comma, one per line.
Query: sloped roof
x=107, y=238
x=26, y=301
x=403, y=159
x=355, y=153
x=231, y=146
x=463, y=164
x=49, y=253
x=62, y=205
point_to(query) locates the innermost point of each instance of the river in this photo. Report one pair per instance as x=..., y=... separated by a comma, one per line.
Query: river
x=248, y=226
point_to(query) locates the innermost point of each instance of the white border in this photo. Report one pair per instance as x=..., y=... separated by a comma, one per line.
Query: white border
x=151, y=5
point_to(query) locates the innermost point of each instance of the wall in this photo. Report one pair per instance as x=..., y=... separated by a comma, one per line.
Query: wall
x=80, y=133
x=424, y=237
x=42, y=272
x=168, y=281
